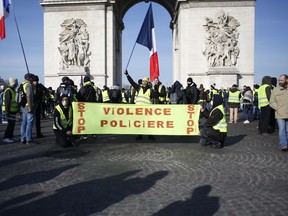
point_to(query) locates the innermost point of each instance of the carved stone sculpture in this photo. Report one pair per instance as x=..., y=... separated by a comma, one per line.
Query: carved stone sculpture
x=74, y=44
x=221, y=49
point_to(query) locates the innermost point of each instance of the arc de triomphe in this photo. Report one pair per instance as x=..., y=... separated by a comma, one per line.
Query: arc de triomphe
x=213, y=40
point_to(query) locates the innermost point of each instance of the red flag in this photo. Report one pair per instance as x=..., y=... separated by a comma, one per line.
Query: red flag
x=147, y=38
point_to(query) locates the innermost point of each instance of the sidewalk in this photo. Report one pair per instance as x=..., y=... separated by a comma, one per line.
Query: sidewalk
x=116, y=175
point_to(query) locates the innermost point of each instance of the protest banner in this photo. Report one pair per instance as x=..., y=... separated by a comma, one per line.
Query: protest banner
x=106, y=118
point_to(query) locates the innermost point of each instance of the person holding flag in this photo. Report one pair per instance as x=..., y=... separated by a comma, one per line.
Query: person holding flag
x=145, y=95
x=4, y=12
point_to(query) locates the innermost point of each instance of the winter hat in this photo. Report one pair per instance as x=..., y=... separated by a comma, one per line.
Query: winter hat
x=28, y=76
x=145, y=79
x=65, y=79
x=189, y=79
x=12, y=81
x=86, y=79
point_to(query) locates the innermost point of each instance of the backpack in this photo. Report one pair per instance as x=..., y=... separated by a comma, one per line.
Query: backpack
x=255, y=99
x=21, y=98
x=115, y=96
x=174, y=98
x=66, y=90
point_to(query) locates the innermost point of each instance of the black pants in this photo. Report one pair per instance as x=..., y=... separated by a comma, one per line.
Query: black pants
x=212, y=136
x=264, y=120
x=11, y=119
x=38, y=120
x=62, y=139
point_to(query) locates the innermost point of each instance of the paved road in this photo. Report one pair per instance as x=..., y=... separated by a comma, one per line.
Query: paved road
x=115, y=175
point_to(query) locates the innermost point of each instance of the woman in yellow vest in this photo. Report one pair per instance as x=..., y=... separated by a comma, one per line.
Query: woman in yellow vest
x=10, y=108
x=62, y=124
x=214, y=131
x=234, y=96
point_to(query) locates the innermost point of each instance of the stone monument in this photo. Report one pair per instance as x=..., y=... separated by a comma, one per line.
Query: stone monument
x=212, y=41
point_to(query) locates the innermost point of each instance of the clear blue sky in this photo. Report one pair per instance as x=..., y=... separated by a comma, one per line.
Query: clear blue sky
x=271, y=40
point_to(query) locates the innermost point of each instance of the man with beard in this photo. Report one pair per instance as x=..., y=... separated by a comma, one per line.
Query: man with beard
x=278, y=101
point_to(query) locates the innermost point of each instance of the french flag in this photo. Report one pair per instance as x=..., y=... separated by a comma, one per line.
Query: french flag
x=146, y=38
x=4, y=12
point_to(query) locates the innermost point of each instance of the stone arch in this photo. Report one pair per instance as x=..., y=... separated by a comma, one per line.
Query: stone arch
x=102, y=22
x=124, y=5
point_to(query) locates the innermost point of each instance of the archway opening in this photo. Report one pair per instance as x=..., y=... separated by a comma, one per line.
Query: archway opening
x=139, y=64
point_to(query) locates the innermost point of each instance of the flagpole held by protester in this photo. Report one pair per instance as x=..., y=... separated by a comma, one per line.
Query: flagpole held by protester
x=22, y=47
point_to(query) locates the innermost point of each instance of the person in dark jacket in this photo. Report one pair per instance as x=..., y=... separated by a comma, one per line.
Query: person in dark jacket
x=62, y=124
x=87, y=92
x=192, y=95
x=177, y=95
x=161, y=89
x=214, y=131
x=10, y=109
x=39, y=95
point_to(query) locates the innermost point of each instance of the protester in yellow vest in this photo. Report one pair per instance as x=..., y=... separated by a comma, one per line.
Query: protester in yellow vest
x=62, y=124
x=144, y=96
x=28, y=111
x=264, y=94
x=10, y=108
x=234, y=96
x=214, y=131
x=160, y=88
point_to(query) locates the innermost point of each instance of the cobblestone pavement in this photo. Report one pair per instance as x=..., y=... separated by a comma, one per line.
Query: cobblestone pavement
x=116, y=175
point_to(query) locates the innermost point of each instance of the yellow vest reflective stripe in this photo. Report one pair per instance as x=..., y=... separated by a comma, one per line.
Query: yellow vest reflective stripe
x=63, y=120
x=262, y=97
x=123, y=97
x=143, y=98
x=222, y=124
x=13, y=106
x=234, y=97
x=105, y=96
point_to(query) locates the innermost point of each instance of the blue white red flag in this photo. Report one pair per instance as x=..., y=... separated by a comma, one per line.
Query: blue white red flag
x=147, y=38
x=4, y=12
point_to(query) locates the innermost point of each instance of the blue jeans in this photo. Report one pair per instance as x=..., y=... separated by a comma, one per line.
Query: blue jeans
x=283, y=132
x=247, y=113
x=27, y=124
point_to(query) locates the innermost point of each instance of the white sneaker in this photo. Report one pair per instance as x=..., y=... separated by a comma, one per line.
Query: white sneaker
x=246, y=122
x=7, y=140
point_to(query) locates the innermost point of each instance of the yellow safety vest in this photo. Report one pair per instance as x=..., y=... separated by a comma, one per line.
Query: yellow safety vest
x=162, y=99
x=222, y=124
x=234, y=97
x=14, y=106
x=105, y=96
x=143, y=98
x=262, y=97
x=63, y=121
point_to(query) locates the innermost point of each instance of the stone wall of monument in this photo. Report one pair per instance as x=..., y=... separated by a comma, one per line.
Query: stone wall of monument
x=59, y=22
x=194, y=18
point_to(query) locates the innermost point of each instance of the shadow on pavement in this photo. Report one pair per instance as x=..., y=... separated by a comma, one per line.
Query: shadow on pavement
x=33, y=178
x=88, y=197
x=200, y=204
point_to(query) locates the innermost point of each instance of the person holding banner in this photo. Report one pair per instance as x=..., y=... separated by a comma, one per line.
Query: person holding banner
x=214, y=131
x=62, y=126
x=144, y=97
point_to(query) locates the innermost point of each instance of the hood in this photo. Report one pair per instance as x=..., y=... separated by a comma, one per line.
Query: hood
x=233, y=89
x=266, y=80
x=217, y=100
x=177, y=85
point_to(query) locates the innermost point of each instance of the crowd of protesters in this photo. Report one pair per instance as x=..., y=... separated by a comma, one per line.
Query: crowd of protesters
x=264, y=102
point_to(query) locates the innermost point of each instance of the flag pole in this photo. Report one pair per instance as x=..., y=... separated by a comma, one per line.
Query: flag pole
x=19, y=36
x=130, y=56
